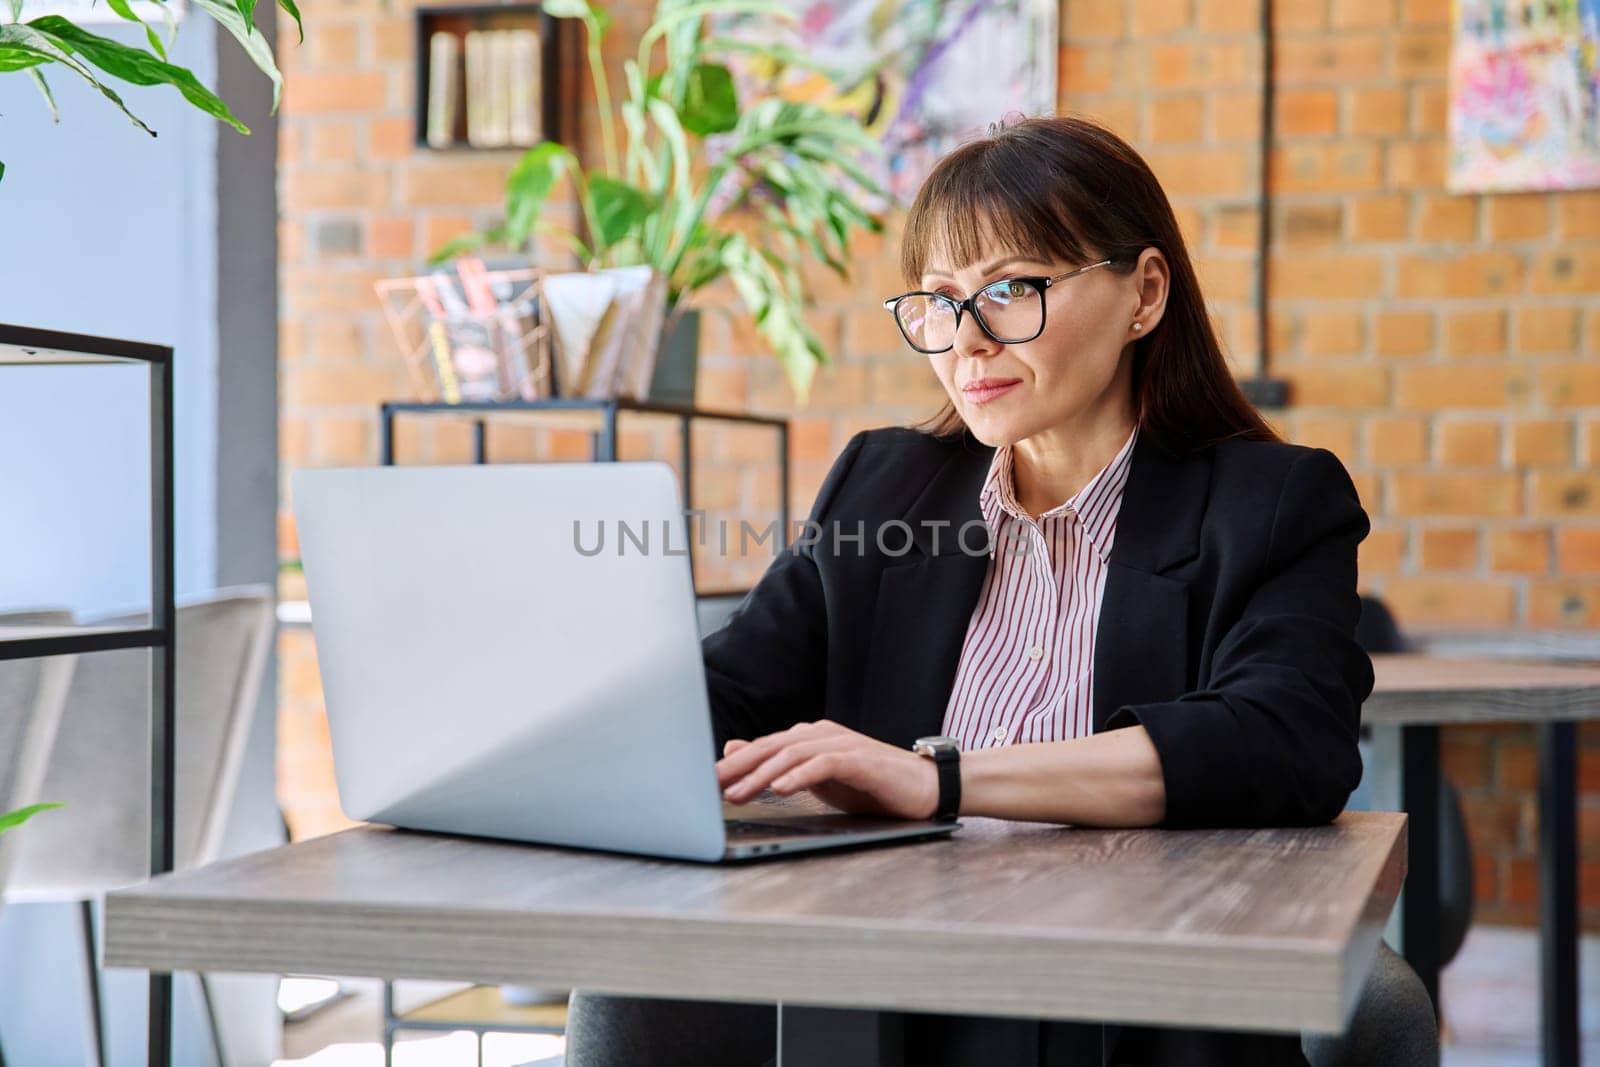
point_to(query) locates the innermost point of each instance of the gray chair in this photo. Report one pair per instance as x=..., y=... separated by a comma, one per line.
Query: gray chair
x=1392, y=1025
x=99, y=768
x=33, y=693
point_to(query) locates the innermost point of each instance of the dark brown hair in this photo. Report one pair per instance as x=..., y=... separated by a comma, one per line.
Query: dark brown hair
x=1067, y=188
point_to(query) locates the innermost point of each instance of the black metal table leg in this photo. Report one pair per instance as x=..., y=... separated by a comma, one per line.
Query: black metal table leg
x=386, y=435
x=784, y=533
x=1419, y=794
x=1558, y=893
x=838, y=1037
x=605, y=440
x=480, y=441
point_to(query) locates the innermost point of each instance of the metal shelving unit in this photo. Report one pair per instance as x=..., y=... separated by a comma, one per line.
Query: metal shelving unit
x=24, y=346
x=605, y=439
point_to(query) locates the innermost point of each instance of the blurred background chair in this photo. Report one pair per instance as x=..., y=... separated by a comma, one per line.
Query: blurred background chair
x=713, y=610
x=33, y=693
x=99, y=770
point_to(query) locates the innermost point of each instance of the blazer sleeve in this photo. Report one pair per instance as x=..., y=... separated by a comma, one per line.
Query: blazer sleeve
x=1273, y=740
x=766, y=668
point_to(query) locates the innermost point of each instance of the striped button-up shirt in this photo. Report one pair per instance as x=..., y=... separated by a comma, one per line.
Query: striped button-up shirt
x=1026, y=669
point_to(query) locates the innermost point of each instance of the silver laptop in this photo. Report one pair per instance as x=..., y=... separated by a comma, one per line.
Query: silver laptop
x=512, y=652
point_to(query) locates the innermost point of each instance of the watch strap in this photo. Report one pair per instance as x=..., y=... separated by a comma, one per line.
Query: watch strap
x=948, y=762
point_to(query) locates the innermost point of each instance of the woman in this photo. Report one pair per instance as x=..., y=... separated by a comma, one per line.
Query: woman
x=1163, y=634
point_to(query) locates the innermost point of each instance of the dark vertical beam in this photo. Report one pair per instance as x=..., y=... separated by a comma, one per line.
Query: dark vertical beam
x=386, y=436
x=1558, y=893
x=163, y=672
x=605, y=441
x=686, y=461
x=1419, y=793
x=480, y=441
x=783, y=483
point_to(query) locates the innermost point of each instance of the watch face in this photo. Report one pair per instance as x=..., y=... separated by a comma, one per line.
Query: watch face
x=935, y=743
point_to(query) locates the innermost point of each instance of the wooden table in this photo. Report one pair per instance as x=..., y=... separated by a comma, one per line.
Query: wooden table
x=1269, y=930
x=1419, y=693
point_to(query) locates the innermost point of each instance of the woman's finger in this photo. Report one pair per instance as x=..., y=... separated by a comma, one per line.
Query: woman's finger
x=735, y=765
x=761, y=776
x=834, y=766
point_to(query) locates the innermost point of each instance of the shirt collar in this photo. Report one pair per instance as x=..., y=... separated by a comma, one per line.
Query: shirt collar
x=1095, y=505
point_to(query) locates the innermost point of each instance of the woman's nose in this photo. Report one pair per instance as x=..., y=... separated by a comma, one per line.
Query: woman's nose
x=971, y=340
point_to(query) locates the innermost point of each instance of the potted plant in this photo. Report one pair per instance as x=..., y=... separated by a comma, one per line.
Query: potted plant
x=53, y=40
x=700, y=186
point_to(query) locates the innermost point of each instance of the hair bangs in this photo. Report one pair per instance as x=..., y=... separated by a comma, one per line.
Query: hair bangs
x=978, y=201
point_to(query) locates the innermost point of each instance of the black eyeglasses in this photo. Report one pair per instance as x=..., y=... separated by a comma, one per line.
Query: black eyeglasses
x=1010, y=311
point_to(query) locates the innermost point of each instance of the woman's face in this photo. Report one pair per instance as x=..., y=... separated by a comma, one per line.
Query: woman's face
x=1073, y=373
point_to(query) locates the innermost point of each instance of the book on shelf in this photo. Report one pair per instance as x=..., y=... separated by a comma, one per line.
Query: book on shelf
x=523, y=87
x=495, y=75
x=444, y=88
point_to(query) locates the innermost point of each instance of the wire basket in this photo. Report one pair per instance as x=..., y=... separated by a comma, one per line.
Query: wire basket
x=468, y=333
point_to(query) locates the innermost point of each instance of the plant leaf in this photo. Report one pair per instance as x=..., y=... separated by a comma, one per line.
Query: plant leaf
x=711, y=104
x=12, y=820
x=666, y=20
x=294, y=12
x=44, y=91
x=22, y=37
x=134, y=65
x=466, y=242
x=17, y=59
x=529, y=186
x=619, y=209
x=125, y=10
x=247, y=11
x=255, y=45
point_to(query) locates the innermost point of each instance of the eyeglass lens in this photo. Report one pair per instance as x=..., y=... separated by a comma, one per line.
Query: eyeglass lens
x=1011, y=311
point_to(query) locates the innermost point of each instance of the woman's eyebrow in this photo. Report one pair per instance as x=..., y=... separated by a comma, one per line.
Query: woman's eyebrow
x=990, y=269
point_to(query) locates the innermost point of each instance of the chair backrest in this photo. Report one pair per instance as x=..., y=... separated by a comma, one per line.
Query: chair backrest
x=713, y=610
x=1376, y=628
x=100, y=765
x=32, y=694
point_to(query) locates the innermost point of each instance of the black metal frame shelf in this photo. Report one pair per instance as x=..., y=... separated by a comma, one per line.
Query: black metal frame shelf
x=27, y=346
x=605, y=439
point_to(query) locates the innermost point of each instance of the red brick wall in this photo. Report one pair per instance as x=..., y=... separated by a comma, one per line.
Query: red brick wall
x=1446, y=347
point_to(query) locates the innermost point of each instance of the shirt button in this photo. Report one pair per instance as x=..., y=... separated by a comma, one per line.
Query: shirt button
x=999, y=733
x=1036, y=653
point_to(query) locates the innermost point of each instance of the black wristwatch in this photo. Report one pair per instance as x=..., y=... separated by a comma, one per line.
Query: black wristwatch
x=946, y=754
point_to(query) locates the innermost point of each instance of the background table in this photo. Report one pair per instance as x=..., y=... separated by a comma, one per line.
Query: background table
x=1239, y=929
x=1418, y=693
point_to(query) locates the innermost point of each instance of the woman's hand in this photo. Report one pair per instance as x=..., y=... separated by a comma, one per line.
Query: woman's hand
x=848, y=770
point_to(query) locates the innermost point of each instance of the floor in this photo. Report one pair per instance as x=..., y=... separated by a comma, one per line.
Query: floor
x=1491, y=1010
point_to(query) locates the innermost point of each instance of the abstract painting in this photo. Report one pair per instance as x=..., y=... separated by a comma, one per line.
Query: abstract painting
x=923, y=75
x=1525, y=95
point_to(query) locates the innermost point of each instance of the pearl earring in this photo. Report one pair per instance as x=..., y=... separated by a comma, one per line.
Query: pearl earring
x=1138, y=326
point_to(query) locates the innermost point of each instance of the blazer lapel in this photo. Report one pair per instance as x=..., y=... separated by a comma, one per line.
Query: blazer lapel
x=1141, y=641
x=924, y=601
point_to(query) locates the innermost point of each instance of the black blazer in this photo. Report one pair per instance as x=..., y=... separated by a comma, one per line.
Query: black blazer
x=1227, y=629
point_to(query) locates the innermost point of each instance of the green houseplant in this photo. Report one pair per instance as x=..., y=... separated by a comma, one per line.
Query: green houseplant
x=699, y=185
x=54, y=41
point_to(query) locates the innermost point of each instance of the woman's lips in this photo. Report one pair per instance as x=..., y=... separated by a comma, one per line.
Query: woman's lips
x=986, y=389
